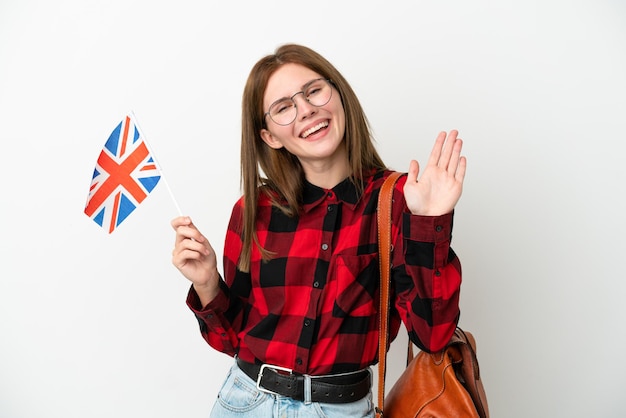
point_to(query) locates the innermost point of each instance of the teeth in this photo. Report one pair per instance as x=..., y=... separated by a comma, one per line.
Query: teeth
x=314, y=129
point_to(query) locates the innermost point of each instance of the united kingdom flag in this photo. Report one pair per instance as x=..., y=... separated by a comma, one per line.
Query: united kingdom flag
x=125, y=174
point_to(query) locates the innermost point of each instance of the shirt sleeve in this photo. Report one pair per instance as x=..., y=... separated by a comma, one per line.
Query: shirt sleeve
x=221, y=319
x=426, y=275
x=214, y=326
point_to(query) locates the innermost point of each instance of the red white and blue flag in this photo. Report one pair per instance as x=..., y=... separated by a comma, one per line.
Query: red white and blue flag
x=125, y=174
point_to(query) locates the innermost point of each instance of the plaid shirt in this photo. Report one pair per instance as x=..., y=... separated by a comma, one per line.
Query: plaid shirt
x=313, y=307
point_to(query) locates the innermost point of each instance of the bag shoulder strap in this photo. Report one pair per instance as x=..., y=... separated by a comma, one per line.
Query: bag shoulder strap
x=385, y=198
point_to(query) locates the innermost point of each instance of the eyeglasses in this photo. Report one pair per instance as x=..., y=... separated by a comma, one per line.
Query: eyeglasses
x=317, y=92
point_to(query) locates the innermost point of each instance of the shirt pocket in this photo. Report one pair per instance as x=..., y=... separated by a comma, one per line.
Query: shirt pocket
x=356, y=280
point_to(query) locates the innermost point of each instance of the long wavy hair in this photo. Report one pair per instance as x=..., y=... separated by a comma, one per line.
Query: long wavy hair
x=276, y=172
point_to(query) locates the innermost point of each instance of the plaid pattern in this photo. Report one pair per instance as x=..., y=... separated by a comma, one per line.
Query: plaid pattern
x=313, y=307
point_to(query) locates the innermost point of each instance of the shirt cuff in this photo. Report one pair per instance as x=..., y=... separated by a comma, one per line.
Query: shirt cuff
x=428, y=228
x=218, y=304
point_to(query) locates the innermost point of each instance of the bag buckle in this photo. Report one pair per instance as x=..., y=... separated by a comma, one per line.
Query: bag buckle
x=260, y=376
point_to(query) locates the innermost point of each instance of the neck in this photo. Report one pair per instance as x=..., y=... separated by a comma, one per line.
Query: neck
x=328, y=173
x=328, y=178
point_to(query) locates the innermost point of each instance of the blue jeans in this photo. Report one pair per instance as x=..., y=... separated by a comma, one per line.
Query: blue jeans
x=239, y=398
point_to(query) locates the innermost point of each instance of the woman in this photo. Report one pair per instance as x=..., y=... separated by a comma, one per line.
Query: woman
x=297, y=306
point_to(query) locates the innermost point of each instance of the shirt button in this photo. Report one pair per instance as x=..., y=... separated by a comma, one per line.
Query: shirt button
x=439, y=228
x=330, y=208
x=324, y=247
x=330, y=194
x=316, y=284
x=437, y=273
x=299, y=361
x=307, y=322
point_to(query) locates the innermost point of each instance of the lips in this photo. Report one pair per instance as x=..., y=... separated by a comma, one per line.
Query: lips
x=314, y=129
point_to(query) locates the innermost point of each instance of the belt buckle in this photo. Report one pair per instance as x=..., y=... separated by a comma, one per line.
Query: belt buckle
x=260, y=376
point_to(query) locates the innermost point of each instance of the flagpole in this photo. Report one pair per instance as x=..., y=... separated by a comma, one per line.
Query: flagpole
x=167, y=186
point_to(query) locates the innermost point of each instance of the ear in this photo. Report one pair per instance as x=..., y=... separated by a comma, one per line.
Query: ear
x=270, y=140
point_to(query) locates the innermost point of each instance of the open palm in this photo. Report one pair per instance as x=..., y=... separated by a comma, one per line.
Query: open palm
x=439, y=187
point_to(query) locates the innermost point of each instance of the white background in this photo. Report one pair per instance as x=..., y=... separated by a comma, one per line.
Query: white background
x=93, y=325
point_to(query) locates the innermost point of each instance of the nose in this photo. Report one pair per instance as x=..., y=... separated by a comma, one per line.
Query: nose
x=305, y=109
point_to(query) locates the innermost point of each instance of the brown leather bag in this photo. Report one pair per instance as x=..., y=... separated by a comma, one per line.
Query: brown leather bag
x=444, y=384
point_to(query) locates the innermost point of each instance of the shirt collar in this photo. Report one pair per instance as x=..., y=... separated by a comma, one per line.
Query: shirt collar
x=345, y=192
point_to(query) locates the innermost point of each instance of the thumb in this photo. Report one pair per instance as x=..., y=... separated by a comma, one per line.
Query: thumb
x=414, y=169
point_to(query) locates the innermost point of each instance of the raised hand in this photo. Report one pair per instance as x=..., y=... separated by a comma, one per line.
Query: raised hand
x=439, y=187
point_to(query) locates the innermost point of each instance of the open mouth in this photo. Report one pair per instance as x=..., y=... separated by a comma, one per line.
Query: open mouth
x=314, y=129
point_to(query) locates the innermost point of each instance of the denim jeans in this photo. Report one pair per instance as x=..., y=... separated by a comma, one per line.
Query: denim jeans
x=240, y=398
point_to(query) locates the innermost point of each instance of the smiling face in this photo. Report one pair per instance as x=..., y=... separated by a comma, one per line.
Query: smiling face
x=316, y=135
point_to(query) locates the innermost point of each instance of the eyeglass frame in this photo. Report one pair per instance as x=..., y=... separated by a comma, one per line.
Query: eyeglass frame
x=328, y=80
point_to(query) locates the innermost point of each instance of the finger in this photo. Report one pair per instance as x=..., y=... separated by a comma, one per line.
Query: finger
x=189, y=250
x=181, y=255
x=448, y=147
x=435, y=154
x=460, y=172
x=188, y=233
x=194, y=241
x=182, y=259
x=456, y=155
x=180, y=220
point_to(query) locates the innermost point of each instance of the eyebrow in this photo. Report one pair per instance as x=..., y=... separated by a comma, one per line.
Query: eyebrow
x=301, y=89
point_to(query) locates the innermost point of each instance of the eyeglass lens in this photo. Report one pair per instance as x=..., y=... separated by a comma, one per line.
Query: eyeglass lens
x=316, y=92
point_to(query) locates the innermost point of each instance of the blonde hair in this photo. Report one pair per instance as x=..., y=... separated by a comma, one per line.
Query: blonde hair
x=283, y=181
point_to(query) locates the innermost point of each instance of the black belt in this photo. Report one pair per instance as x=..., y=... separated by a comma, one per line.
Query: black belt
x=340, y=388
